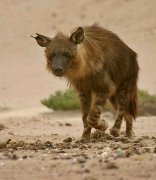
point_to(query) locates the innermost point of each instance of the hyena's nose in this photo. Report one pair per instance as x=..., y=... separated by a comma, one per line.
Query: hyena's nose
x=59, y=71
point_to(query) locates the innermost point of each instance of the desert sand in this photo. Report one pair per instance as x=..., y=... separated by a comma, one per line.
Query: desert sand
x=31, y=136
x=23, y=78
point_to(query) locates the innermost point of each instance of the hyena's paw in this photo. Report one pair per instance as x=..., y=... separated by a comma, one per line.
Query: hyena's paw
x=129, y=134
x=115, y=132
x=100, y=125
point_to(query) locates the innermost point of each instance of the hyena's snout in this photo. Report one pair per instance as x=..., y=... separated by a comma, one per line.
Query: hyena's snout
x=58, y=71
x=59, y=66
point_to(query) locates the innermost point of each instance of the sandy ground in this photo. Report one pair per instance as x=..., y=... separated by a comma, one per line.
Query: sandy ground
x=31, y=136
x=32, y=147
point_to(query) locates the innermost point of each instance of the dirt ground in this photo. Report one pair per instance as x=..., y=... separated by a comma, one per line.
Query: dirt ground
x=31, y=137
x=32, y=147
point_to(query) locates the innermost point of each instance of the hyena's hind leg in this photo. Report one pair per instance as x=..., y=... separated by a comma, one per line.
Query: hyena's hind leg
x=115, y=130
x=126, y=98
x=131, y=111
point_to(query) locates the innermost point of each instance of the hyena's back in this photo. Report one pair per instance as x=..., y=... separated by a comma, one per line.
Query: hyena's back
x=106, y=52
x=117, y=58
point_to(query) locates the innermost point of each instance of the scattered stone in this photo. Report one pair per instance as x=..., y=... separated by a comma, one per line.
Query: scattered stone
x=124, y=146
x=68, y=124
x=24, y=157
x=69, y=139
x=81, y=160
x=111, y=165
x=120, y=153
x=14, y=157
x=106, y=152
x=86, y=170
x=2, y=127
x=4, y=144
x=75, y=145
x=60, y=151
x=48, y=144
x=124, y=140
x=129, y=152
x=150, y=149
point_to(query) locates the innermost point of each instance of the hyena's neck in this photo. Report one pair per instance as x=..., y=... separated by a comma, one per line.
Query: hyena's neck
x=84, y=64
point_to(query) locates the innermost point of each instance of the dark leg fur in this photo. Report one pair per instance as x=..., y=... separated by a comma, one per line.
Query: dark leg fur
x=115, y=130
x=129, y=124
x=85, y=106
x=126, y=97
x=95, y=112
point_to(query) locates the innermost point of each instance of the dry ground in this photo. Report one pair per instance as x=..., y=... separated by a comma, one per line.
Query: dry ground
x=32, y=147
x=25, y=153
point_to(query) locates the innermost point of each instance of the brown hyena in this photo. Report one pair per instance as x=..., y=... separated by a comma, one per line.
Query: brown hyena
x=100, y=66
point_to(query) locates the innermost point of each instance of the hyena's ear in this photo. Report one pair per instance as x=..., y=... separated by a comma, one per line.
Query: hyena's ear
x=42, y=40
x=78, y=36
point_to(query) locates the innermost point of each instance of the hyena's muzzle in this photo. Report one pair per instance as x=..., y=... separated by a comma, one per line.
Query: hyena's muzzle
x=59, y=64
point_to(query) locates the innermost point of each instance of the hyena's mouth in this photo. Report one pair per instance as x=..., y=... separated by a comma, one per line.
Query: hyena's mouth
x=58, y=72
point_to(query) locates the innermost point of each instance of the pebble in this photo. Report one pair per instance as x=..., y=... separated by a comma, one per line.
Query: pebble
x=69, y=139
x=106, y=152
x=81, y=160
x=111, y=165
x=124, y=146
x=120, y=153
x=129, y=152
x=68, y=124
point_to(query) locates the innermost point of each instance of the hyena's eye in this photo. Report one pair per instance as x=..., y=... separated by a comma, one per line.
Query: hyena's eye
x=52, y=55
x=67, y=54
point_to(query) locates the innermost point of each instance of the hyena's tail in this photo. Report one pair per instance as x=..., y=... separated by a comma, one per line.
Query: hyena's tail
x=132, y=106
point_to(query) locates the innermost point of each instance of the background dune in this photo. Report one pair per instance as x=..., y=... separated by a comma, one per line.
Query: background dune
x=23, y=78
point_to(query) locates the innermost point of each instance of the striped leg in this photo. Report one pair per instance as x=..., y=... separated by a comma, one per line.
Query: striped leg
x=95, y=112
x=115, y=130
x=85, y=107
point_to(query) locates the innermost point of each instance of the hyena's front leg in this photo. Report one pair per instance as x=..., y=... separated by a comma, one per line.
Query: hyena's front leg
x=95, y=112
x=85, y=107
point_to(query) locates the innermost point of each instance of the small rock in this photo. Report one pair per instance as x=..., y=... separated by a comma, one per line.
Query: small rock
x=124, y=146
x=14, y=157
x=150, y=149
x=86, y=170
x=68, y=124
x=145, y=137
x=60, y=151
x=129, y=152
x=2, y=127
x=120, y=153
x=69, y=139
x=111, y=165
x=3, y=144
x=81, y=160
x=48, y=144
x=25, y=157
x=106, y=152
x=75, y=145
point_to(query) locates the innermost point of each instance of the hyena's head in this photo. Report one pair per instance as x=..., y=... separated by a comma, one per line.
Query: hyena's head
x=61, y=51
